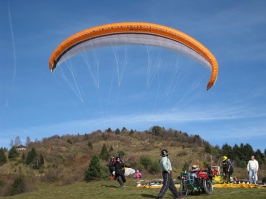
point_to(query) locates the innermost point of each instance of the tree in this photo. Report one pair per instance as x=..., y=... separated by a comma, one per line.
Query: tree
x=111, y=149
x=12, y=153
x=86, y=136
x=90, y=145
x=17, y=141
x=27, y=141
x=41, y=159
x=109, y=130
x=227, y=150
x=18, y=185
x=156, y=130
x=236, y=152
x=11, y=143
x=104, y=155
x=131, y=132
x=208, y=148
x=3, y=159
x=117, y=131
x=247, y=151
x=31, y=156
x=94, y=169
x=124, y=129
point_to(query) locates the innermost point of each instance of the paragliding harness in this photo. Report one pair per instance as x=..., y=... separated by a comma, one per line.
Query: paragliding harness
x=231, y=165
x=111, y=168
x=228, y=165
x=111, y=162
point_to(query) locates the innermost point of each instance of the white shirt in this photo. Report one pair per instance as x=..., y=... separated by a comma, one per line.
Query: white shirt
x=253, y=164
x=165, y=164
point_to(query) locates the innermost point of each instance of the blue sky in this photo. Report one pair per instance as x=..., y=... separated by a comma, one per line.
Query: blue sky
x=38, y=104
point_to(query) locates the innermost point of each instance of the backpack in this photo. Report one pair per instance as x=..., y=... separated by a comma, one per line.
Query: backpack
x=231, y=164
x=111, y=162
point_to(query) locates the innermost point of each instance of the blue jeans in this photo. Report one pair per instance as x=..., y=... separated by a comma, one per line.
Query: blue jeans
x=252, y=172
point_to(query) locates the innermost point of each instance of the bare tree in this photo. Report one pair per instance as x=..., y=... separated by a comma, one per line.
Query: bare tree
x=11, y=143
x=17, y=141
x=27, y=141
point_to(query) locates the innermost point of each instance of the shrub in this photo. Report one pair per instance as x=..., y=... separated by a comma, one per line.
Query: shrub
x=3, y=159
x=104, y=153
x=12, y=153
x=18, y=186
x=90, y=145
x=94, y=169
x=155, y=168
x=145, y=162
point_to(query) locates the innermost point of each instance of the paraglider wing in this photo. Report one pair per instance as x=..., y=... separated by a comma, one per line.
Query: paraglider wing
x=137, y=33
x=129, y=171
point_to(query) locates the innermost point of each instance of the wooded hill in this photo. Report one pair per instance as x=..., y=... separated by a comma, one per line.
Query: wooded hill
x=64, y=159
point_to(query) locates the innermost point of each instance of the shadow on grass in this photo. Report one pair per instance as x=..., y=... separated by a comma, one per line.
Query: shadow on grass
x=111, y=186
x=148, y=196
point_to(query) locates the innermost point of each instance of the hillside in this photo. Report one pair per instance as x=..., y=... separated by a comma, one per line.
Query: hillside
x=67, y=157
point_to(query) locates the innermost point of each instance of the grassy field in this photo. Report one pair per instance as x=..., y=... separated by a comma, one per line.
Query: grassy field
x=111, y=189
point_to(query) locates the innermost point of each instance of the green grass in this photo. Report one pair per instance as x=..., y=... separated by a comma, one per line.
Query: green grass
x=111, y=189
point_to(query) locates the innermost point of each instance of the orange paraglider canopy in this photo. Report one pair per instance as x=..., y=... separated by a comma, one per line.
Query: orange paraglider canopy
x=135, y=33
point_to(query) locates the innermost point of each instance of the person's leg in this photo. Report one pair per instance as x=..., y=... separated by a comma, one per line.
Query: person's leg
x=250, y=176
x=165, y=184
x=119, y=179
x=172, y=187
x=253, y=176
x=123, y=178
x=228, y=177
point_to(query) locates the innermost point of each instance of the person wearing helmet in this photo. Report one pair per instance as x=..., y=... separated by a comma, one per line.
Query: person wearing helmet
x=193, y=173
x=168, y=182
x=195, y=168
x=227, y=168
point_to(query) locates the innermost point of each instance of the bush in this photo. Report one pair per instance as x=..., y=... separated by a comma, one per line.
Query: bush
x=146, y=162
x=18, y=186
x=69, y=141
x=3, y=159
x=50, y=175
x=13, y=153
x=90, y=145
x=104, y=155
x=155, y=168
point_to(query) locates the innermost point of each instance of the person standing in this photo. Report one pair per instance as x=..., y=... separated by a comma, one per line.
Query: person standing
x=253, y=167
x=120, y=171
x=168, y=182
x=228, y=168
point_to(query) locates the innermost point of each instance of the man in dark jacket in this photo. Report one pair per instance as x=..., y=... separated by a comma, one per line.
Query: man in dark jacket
x=120, y=171
x=227, y=168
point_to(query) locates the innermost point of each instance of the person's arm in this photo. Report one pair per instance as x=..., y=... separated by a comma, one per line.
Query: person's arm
x=248, y=166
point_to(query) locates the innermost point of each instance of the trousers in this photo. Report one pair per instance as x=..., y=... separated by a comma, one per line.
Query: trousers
x=168, y=183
